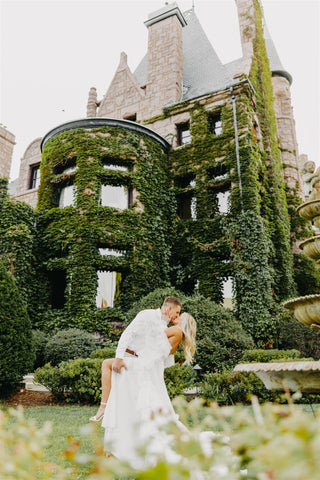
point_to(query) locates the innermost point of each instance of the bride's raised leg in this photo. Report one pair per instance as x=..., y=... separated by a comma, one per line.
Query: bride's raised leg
x=106, y=372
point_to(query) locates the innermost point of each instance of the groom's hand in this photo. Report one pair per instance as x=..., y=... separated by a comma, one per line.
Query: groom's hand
x=118, y=364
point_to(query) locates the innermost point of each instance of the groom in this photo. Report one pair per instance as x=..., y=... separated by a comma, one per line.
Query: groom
x=132, y=339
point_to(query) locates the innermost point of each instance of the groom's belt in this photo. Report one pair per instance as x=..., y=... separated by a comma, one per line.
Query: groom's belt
x=131, y=352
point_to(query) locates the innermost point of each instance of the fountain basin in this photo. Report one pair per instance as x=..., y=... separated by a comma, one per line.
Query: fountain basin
x=311, y=247
x=306, y=309
x=295, y=376
x=309, y=210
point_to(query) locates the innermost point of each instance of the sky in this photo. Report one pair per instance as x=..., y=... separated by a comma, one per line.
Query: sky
x=53, y=51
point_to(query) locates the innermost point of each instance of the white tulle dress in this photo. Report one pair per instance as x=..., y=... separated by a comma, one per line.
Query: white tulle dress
x=139, y=401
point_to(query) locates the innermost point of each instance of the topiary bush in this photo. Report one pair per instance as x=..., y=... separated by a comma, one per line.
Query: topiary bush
x=16, y=345
x=69, y=344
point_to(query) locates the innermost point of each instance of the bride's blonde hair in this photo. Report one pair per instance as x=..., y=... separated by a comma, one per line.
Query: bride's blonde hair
x=189, y=330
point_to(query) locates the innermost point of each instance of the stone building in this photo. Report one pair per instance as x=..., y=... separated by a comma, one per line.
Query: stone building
x=7, y=142
x=137, y=194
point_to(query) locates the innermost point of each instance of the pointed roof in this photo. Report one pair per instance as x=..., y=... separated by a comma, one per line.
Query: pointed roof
x=274, y=59
x=203, y=71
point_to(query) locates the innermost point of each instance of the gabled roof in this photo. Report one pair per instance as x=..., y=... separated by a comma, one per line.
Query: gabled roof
x=203, y=71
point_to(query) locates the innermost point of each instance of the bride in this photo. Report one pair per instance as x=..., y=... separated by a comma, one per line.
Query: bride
x=184, y=329
x=137, y=399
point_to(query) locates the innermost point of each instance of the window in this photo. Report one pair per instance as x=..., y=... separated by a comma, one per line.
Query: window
x=67, y=196
x=223, y=201
x=115, y=167
x=183, y=133
x=107, y=287
x=215, y=124
x=58, y=285
x=193, y=202
x=110, y=251
x=116, y=197
x=187, y=202
x=227, y=293
x=34, y=176
x=69, y=170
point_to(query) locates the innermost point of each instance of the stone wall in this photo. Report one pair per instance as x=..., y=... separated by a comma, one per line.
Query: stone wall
x=7, y=142
x=31, y=158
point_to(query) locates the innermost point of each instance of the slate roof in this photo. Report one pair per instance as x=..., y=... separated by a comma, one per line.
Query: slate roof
x=203, y=72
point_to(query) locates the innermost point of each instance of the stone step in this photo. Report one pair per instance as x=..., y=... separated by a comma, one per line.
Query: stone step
x=31, y=385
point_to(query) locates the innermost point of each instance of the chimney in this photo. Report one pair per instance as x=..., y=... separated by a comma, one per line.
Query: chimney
x=165, y=57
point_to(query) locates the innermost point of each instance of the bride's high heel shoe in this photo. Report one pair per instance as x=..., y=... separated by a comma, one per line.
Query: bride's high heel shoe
x=97, y=418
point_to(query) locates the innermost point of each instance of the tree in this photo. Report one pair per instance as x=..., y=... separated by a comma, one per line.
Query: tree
x=16, y=345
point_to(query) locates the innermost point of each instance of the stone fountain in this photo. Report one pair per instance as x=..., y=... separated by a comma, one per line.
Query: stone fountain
x=298, y=376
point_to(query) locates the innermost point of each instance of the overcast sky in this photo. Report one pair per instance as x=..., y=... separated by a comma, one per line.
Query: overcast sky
x=53, y=51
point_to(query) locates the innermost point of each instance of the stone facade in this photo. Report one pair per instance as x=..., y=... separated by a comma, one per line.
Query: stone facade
x=7, y=142
x=27, y=191
x=287, y=132
x=126, y=98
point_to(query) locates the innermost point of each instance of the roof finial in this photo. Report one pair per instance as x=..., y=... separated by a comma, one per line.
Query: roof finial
x=192, y=4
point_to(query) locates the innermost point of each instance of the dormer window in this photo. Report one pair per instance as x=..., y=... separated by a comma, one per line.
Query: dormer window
x=215, y=124
x=183, y=133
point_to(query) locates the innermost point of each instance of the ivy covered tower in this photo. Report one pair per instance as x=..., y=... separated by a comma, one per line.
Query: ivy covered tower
x=181, y=174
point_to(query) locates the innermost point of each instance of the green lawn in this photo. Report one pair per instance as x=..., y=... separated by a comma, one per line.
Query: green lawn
x=72, y=422
x=67, y=422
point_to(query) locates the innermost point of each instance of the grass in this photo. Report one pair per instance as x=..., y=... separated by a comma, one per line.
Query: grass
x=67, y=423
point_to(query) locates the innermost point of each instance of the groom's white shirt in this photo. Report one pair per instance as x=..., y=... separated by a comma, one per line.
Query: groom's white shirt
x=137, y=334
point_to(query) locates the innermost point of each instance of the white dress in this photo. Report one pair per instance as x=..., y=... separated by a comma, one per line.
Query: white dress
x=138, y=396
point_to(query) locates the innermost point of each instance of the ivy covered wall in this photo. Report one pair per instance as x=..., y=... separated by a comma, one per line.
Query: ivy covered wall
x=18, y=242
x=173, y=231
x=73, y=235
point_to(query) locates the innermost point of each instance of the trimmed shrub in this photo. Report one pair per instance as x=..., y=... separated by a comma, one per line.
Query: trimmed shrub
x=178, y=378
x=16, y=346
x=75, y=381
x=79, y=380
x=272, y=355
x=107, y=351
x=40, y=340
x=69, y=344
x=229, y=388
